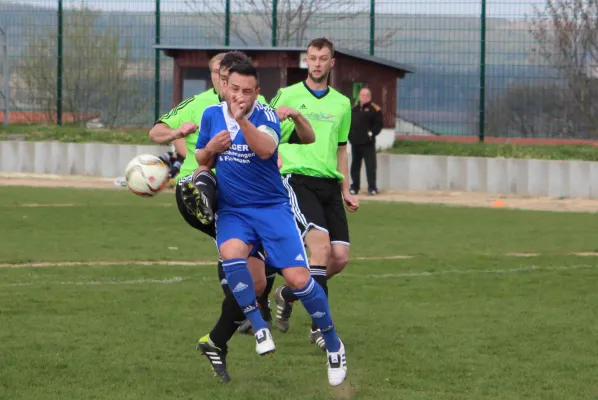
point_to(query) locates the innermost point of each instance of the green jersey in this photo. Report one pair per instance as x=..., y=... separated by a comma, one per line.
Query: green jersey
x=191, y=110
x=330, y=118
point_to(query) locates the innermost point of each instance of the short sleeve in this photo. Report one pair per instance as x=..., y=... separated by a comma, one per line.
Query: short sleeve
x=270, y=119
x=180, y=114
x=204, y=130
x=343, y=134
x=278, y=100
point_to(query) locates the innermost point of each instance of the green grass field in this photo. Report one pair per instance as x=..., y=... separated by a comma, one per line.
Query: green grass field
x=460, y=320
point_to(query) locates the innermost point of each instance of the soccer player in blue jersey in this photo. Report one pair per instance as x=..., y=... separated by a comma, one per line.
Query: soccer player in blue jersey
x=240, y=138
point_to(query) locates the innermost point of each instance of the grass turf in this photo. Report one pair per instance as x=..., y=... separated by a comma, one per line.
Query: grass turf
x=459, y=320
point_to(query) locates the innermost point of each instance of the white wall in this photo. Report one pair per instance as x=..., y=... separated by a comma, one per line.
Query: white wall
x=88, y=159
x=398, y=172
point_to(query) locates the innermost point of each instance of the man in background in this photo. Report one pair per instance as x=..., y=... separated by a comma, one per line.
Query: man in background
x=366, y=124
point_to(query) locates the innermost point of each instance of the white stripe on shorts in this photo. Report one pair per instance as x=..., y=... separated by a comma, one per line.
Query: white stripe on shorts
x=295, y=203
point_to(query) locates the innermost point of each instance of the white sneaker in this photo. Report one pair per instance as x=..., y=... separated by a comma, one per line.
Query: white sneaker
x=337, y=366
x=264, y=344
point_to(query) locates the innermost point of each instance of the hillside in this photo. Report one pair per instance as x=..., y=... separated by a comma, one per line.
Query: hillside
x=444, y=49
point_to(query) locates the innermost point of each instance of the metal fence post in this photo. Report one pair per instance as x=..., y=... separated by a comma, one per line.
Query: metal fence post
x=157, y=65
x=227, y=23
x=482, y=107
x=5, y=75
x=372, y=26
x=59, y=68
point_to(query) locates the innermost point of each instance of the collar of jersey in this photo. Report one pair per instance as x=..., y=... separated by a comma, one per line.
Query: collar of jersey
x=231, y=120
x=312, y=92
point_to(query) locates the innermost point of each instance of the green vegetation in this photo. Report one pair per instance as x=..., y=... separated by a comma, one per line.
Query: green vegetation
x=542, y=152
x=74, y=134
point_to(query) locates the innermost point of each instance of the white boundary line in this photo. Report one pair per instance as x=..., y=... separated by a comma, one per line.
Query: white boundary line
x=150, y=263
x=105, y=263
x=175, y=279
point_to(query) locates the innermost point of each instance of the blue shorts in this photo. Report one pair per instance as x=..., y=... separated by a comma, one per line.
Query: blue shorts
x=273, y=227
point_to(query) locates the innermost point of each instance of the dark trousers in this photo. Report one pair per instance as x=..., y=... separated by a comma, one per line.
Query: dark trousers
x=367, y=153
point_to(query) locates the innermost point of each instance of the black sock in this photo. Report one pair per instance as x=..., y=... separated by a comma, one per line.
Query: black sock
x=222, y=278
x=226, y=326
x=262, y=299
x=319, y=275
x=288, y=295
x=206, y=183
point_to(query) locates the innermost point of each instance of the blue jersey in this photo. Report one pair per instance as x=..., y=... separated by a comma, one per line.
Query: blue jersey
x=244, y=180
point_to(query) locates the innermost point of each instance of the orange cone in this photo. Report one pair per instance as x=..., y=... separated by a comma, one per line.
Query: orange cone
x=498, y=203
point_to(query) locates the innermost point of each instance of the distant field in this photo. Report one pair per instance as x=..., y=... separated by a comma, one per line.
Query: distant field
x=461, y=319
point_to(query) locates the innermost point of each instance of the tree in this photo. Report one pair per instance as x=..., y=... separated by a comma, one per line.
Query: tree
x=252, y=19
x=542, y=110
x=96, y=77
x=566, y=34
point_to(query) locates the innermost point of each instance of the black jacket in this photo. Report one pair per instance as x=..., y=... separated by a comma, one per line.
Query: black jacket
x=365, y=119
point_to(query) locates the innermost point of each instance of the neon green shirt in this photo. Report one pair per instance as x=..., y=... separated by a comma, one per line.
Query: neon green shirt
x=330, y=118
x=191, y=110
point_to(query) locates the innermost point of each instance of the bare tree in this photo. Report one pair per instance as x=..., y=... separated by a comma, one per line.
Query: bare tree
x=566, y=34
x=95, y=77
x=252, y=19
x=542, y=110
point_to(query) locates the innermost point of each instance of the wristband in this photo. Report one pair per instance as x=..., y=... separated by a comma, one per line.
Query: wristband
x=174, y=135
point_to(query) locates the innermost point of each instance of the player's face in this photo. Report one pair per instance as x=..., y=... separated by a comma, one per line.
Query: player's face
x=242, y=89
x=319, y=63
x=214, y=74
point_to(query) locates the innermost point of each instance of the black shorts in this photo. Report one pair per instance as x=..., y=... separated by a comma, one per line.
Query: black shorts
x=318, y=203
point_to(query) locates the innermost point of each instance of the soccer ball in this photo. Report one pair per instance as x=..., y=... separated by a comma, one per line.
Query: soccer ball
x=146, y=175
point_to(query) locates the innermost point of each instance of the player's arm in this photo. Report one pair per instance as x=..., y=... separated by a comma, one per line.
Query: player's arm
x=205, y=151
x=302, y=126
x=342, y=160
x=263, y=141
x=180, y=146
x=174, y=124
x=342, y=164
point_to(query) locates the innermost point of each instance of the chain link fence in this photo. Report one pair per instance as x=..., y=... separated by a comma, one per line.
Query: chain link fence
x=510, y=68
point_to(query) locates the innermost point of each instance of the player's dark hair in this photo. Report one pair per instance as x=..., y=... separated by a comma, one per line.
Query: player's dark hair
x=232, y=58
x=320, y=43
x=245, y=69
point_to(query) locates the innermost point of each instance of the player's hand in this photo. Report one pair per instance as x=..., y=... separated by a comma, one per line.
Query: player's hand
x=238, y=108
x=351, y=202
x=219, y=143
x=185, y=130
x=285, y=112
x=279, y=162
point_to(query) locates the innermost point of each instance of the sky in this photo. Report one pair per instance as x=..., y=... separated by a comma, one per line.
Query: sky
x=494, y=8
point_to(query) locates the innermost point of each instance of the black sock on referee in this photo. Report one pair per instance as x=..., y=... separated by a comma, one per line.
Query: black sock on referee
x=206, y=183
x=319, y=275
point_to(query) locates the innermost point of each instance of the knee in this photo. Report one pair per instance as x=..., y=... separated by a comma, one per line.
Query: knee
x=298, y=279
x=233, y=249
